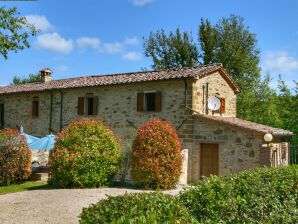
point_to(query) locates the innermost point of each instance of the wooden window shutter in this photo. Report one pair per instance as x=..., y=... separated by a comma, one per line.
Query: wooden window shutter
x=140, y=102
x=158, y=101
x=81, y=105
x=95, y=105
x=222, y=105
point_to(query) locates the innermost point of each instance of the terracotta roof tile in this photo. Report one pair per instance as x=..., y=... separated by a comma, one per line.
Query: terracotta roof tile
x=114, y=79
x=239, y=123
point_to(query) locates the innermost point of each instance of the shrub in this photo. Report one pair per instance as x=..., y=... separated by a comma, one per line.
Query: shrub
x=264, y=195
x=156, y=156
x=86, y=154
x=140, y=208
x=15, y=157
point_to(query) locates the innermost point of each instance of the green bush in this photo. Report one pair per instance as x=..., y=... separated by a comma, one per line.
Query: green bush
x=140, y=208
x=264, y=195
x=156, y=160
x=86, y=154
x=15, y=157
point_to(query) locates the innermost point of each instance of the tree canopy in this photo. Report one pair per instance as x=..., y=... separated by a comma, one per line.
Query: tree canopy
x=171, y=51
x=32, y=78
x=14, y=31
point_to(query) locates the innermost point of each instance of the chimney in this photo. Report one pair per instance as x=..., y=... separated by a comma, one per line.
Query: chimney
x=45, y=75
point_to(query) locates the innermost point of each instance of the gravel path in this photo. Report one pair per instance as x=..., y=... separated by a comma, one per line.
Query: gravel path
x=52, y=206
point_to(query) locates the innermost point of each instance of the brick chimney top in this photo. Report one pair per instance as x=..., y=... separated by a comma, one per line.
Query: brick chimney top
x=45, y=75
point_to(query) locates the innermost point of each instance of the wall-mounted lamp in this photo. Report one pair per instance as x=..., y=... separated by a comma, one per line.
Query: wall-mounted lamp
x=268, y=138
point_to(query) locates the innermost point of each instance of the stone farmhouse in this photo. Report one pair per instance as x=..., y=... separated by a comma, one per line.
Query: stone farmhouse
x=214, y=142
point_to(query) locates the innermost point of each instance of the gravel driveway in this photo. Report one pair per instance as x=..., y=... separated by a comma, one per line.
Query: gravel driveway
x=52, y=206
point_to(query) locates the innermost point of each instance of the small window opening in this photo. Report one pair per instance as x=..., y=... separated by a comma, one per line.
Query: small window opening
x=150, y=102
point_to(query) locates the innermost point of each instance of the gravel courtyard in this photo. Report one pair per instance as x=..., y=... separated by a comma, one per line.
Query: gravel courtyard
x=52, y=206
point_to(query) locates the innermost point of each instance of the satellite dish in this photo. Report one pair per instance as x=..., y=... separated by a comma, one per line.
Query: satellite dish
x=213, y=103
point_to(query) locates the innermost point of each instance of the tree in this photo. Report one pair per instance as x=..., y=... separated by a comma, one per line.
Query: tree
x=32, y=78
x=171, y=51
x=232, y=44
x=14, y=31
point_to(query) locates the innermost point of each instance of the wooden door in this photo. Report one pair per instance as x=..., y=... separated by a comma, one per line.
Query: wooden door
x=209, y=159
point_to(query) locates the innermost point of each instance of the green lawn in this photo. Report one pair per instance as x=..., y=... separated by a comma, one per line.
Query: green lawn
x=26, y=186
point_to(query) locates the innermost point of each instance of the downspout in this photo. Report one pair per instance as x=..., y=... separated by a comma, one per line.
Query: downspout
x=203, y=98
x=51, y=112
x=185, y=93
x=61, y=110
x=207, y=85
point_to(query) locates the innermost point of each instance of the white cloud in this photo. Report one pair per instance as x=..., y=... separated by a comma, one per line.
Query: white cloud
x=54, y=42
x=132, y=56
x=141, y=2
x=131, y=41
x=91, y=42
x=113, y=48
x=279, y=62
x=40, y=22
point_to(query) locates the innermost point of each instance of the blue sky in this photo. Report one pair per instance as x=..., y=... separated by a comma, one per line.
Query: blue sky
x=98, y=37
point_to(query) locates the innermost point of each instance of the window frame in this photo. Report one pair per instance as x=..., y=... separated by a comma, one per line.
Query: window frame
x=145, y=106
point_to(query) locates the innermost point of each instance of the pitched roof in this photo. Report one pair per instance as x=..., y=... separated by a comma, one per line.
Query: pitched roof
x=248, y=125
x=114, y=79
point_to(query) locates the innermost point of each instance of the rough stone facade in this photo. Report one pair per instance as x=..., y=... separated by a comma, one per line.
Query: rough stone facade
x=117, y=106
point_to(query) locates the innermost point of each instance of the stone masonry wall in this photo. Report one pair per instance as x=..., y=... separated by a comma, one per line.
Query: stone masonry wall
x=238, y=149
x=216, y=84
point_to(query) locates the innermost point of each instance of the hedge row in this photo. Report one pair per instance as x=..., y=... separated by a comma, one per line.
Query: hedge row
x=264, y=195
x=139, y=208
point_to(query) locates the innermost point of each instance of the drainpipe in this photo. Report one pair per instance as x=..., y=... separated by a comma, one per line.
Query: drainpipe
x=207, y=85
x=203, y=98
x=51, y=112
x=185, y=92
x=61, y=110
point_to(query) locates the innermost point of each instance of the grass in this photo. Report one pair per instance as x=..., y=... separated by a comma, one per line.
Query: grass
x=25, y=186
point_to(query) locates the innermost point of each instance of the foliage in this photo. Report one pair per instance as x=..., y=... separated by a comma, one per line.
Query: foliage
x=86, y=154
x=15, y=31
x=15, y=157
x=264, y=195
x=173, y=50
x=231, y=43
x=32, y=78
x=141, y=208
x=156, y=155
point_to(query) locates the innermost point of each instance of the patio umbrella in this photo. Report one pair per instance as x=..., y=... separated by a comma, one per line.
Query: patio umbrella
x=45, y=143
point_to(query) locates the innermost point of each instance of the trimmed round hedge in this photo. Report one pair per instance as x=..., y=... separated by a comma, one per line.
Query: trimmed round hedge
x=86, y=154
x=15, y=157
x=156, y=156
x=140, y=208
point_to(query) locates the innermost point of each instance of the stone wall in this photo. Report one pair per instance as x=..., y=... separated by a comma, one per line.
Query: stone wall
x=238, y=149
x=216, y=84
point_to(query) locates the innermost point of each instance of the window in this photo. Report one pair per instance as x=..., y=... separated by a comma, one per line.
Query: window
x=1, y=115
x=149, y=102
x=88, y=105
x=35, y=107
